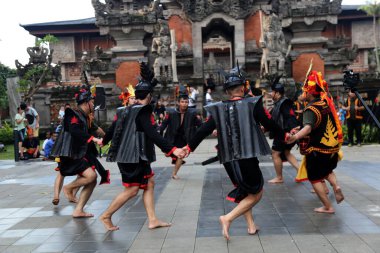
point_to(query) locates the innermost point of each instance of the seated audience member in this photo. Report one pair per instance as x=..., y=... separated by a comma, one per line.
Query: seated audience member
x=30, y=146
x=48, y=146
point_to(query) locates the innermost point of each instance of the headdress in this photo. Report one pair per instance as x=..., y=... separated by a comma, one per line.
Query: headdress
x=147, y=80
x=86, y=92
x=276, y=85
x=124, y=96
x=234, y=78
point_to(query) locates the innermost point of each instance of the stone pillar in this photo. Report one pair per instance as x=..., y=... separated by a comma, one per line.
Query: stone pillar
x=174, y=56
x=197, y=50
x=239, y=41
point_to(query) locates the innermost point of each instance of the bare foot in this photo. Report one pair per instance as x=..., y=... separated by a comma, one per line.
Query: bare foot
x=253, y=230
x=69, y=195
x=225, y=227
x=175, y=177
x=158, y=224
x=55, y=201
x=324, y=210
x=326, y=190
x=276, y=180
x=107, y=222
x=82, y=215
x=338, y=195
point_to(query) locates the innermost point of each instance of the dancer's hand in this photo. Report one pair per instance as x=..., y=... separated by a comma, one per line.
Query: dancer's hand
x=215, y=133
x=186, y=149
x=290, y=138
x=98, y=141
x=179, y=153
x=295, y=130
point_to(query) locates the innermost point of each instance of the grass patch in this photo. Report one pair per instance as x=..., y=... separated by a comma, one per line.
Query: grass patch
x=7, y=153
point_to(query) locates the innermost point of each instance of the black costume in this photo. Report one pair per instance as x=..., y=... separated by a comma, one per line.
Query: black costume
x=134, y=136
x=284, y=116
x=240, y=141
x=74, y=145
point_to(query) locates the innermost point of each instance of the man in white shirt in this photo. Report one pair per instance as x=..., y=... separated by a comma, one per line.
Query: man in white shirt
x=193, y=97
x=33, y=118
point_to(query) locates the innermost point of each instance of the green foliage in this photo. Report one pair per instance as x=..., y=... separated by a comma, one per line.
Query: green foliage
x=6, y=133
x=370, y=134
x=31, y=77
x=372, y=8
x=5, y=72
x=46, y=40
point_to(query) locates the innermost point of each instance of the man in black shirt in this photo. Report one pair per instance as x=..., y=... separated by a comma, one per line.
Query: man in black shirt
x=132, y=148
x=240, y=142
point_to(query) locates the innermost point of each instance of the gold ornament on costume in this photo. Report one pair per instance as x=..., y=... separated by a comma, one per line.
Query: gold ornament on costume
x=124, y=96
x=330, y=138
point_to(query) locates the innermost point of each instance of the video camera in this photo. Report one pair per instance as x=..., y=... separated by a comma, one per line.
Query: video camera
x=351, y=80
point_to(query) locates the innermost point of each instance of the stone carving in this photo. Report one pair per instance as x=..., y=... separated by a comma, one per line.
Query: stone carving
x=37, y=54
x=274, y=47
x=372, y=66
x=120, y=12
x=308, y=8
x=161, y=49
x=185, y=50
x=199, y=9
x=64, y=50
x=99, y=63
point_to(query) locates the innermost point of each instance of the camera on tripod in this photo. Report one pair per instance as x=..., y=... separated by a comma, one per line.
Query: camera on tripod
x=351, y=80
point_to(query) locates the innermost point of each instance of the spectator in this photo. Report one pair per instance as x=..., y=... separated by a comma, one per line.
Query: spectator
x=209, y=99
x=160, y=112
x=193, y=97
x=48, y=135
x=354, y=117
x=341, y=113
x=210, y=82
x=61, y=113
x=30, y=146
x=20, y=123
x=33, y=118
x=48, y=147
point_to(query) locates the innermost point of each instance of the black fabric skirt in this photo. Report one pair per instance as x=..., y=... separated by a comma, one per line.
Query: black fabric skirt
x=135, y=174
x=246, y=176
x=319, y=165
x=72, y=167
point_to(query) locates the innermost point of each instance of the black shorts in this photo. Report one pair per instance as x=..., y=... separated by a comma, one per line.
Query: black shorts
x=319, y=165
x=135, y=174
x=72, y=167
x=251, y=182
x=281, y=146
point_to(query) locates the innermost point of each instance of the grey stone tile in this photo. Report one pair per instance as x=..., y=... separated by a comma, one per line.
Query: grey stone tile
x=20, y=249
x=28, y=240
x=52, y=247
x=210, y=245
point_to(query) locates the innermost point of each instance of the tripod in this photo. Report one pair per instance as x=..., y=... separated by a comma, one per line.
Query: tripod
x=366, y=107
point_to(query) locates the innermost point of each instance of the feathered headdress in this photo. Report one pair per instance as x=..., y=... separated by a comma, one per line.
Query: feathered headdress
x=182, y=91
x=124, y=96
x=147, y=81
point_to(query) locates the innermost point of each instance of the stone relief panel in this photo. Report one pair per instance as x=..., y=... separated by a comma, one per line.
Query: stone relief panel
x=64, y=50
x=308, y=8
x=197, y=10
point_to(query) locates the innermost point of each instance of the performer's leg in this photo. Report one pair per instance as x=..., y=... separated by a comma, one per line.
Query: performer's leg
x=117, y=203
x=321, y=193
x=291, y=159
x=89, y=185
x=71, y=189
x=58, y=183
x=277, y=162
x=177, y=166
x=252, y=228
x=245, y=205
x=358, y=130
x=337, y=190
x=148, y=197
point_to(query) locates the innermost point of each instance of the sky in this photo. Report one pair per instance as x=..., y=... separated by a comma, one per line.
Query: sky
x=14, y=39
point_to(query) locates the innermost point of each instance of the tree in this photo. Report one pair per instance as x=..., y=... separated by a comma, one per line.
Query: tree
x=5, y=72
x=373, y=9
x=39, y=70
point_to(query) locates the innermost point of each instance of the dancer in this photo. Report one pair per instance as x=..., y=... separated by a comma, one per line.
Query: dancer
x=283, y=115
x=240, y=142
x=180, y=124
x=320, y=140
x=73, y=147
x=132, y=148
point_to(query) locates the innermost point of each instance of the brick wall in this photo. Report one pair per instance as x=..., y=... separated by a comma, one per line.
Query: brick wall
x=127, y=72
x=302, y=63
x=183, y=30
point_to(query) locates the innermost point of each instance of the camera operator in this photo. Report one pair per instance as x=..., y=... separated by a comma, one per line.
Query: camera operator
x=354, y=116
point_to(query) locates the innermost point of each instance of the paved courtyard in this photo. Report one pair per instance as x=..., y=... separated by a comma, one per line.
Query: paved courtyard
x=30, y=223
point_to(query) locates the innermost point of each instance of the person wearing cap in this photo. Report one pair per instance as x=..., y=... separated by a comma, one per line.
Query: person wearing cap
x=180, y=125
x=240, y=142
x=132, y=147
x=354, y=118
x=283, y=114
x=320, y=140
x=75, y=148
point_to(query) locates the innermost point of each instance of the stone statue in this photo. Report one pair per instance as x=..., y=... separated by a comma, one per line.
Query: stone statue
x=161, y=49
x=274, y=47
x=37, y=55
x=372, y=66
